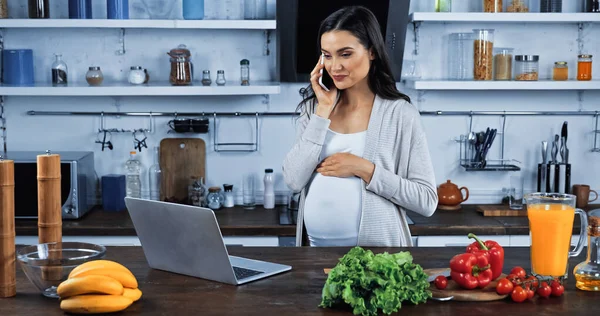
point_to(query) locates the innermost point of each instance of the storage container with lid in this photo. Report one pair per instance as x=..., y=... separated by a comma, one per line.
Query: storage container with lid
x=214, y=198
x=136, y=75
x=560, y=71
x=503, y=63
x=517, y=6
x=483, y=54
x=527, y=67
x=551, y=5
x=182, y=69
x=492, y=6
x=94, y=76
x=584, y=67
x=460, y=56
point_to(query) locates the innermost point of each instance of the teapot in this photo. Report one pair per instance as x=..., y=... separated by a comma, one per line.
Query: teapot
x=450, y=196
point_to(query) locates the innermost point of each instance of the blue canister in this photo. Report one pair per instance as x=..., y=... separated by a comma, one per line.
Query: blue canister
x=80, y=9
x=193, y=9
x=113, y=192
x=117, y=9
x=18, y=67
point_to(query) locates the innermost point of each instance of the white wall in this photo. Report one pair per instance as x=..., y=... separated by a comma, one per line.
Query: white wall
x=222, y=49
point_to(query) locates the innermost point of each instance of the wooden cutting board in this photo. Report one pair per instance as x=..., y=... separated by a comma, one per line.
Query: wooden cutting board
x=180, y=159
x=477, y=295
x=500, y=210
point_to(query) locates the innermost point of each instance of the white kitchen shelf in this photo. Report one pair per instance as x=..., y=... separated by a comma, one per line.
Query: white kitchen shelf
x=502, y=85
x=139, y=24
x=153, y=89
x=505, y=17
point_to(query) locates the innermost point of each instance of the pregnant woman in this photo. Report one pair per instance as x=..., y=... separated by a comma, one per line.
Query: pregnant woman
x=360, y=158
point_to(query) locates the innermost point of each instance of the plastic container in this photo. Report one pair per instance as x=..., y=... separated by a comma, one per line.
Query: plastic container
x=503, y=58
x=560, y=71
x=193, y=9
x=133, y=169
x=117, y=9
x=527, y=67
x=80, y=9
x=483, y=54
x=584, y=67
x=492, y=6
x=460, y=56
x=269, y=194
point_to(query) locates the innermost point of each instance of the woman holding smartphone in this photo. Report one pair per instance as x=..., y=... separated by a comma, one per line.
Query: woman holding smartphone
x=360, y=159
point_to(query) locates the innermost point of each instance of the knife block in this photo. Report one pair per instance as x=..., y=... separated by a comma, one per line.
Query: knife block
x=554, y=178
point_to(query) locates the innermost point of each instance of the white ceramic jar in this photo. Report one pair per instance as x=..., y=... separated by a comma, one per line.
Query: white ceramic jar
x=137, y=75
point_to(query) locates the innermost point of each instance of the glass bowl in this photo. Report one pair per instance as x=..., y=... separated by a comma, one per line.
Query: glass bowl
x=47, y=265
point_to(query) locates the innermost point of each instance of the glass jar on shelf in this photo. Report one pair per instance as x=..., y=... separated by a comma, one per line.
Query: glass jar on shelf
x=136, y=75
x=517, y=5
x=182, y=69
x=206, y=81
x=503, y=63
x=443, y=5
x=214, y=198
x=59, y=71
x=221, y=77
x=245, y=72
x=483, y=47
x=492, y=6
x=94, y=76
x=560, y=72
x=460, y=56
x=197, y=192
x=554, y=6
x=527, y=67
x=584, y=67
x=592, y=6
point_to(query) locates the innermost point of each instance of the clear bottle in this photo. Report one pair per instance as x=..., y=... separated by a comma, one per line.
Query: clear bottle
x=221, y=77
x=587, y=273
x=214, y=198
x=59, y=71
x=133, y=169
x=245, y=72
x=269, y=198
x=228, y=188
x=154, y=176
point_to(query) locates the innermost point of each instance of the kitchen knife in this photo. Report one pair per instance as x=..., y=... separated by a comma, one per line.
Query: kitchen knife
x=491, y=137
x=562, y=150
x=542, y=175
x=563, y=135
x=544, y=152
x=555, y=148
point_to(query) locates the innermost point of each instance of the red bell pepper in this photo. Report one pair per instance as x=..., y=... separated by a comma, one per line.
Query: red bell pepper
x=495, y=251
x=471, y=270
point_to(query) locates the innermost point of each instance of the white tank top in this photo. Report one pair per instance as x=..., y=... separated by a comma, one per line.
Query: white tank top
x=332, y=208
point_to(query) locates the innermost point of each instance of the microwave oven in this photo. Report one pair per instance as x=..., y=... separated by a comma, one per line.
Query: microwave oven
x=77, y=189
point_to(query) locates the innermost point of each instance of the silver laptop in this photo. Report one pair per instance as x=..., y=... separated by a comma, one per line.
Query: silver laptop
x=187, y=240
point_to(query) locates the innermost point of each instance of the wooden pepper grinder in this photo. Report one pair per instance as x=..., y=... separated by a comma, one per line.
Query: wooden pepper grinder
x=49, y=207
x=8, y=285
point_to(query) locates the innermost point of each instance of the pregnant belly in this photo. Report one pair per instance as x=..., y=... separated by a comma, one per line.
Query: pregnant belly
x=332, y=207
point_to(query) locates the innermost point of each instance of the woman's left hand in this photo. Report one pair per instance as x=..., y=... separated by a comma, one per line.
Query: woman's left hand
x=344, y=165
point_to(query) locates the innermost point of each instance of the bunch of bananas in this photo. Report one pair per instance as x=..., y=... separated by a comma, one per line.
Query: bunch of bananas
x=99, y=286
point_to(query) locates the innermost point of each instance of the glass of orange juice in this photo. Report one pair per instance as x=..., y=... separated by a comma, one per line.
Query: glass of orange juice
x=551, y=217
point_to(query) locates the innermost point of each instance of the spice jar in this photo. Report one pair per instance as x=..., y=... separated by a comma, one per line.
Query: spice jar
x=221, y=77
x=587, y=273
x=483, y=54
x=197, y=192
x=94, y=76
x=214, y=198
x=527, y=67
x=228, y=202
x=136, y=75
x=584, y=67
x=245, y=72
x=517, y=6
x=206, y=78
x=560, y=71
x=181, y=66
x=492, y=6
x=503, y=63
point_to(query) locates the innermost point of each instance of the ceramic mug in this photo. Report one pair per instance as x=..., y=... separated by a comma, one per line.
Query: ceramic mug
x=582, y=192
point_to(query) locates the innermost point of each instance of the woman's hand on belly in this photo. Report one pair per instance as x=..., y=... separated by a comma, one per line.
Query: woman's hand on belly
x=344, y=165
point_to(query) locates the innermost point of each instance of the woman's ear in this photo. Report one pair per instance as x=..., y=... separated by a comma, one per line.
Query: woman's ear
x=371, y=54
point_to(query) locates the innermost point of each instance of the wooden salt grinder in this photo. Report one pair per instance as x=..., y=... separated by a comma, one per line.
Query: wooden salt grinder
x=8, y=285
x=49, y=207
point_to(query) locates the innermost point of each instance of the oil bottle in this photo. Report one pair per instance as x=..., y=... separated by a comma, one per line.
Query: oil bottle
x=587, y=273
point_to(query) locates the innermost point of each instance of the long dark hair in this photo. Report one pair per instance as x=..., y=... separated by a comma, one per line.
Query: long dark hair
x=362, y=23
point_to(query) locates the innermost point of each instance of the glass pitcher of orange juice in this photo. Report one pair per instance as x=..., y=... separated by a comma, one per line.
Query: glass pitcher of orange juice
x=551, y=217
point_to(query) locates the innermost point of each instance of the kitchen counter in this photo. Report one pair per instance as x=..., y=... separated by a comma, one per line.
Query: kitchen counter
x=238, y=221
x=296, y=292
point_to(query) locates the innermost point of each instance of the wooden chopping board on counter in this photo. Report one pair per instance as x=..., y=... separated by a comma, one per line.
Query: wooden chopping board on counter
x=180, y=159
x=500, y=210
x=477, y=295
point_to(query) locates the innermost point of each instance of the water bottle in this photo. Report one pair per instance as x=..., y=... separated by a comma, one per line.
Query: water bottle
x=154, y=175
x=133, y=184
x=269, y=199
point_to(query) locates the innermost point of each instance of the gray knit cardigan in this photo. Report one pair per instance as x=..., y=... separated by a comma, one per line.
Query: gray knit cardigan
x=403, y=178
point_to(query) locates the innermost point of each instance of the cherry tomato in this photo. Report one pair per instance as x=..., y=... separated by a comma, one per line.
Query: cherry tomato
x=440, y=282
x=557, y=288
x=504, y=287
x=514, y=279
x=518, y=294
x=530, y=293
x=533, y=281
x=544, y=290
x=519, y=272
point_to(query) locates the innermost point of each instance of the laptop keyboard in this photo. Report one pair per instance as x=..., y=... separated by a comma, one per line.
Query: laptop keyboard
x=242, y=273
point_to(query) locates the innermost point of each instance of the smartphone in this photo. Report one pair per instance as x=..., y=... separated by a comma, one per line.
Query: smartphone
x=325, y=80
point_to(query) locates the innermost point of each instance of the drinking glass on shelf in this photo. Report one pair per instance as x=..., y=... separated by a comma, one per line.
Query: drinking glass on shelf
x=248, y=190
x=516, y=191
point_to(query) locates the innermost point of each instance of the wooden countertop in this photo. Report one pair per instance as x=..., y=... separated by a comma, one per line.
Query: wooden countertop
x=238, y=221
x=296, y=292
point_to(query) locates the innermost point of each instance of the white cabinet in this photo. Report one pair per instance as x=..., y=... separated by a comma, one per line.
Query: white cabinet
x=458, y=241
